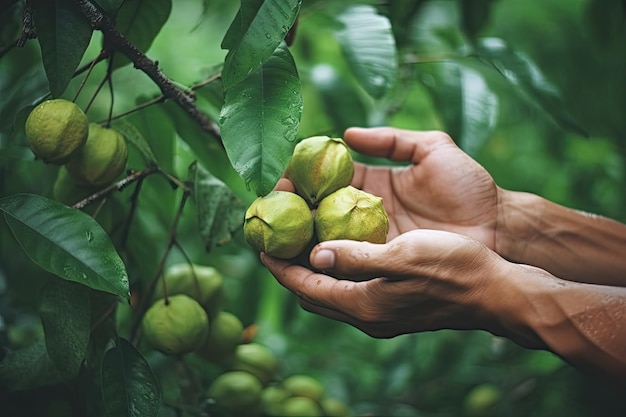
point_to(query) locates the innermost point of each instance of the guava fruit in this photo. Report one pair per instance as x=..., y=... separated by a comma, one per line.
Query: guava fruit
x=257, y=359
x=102, y=159
x=203, y=283
x=225, y=334
x=237, y=391
x=272, y=400
x=279, y=224
x=334, y=407
x=319, y=166
x=350, y=213
x=301, y=407
x=55, y=130
x=304, y=386
x=177, y=326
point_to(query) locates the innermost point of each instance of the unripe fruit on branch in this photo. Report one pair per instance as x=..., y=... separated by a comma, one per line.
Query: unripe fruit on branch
x=237, y=391
x=203, y=283
x=179, y=326
x=319, y=166
x=279, y=224
x=257, y=359
x=225, y=333
x=350, y=213
x=55, y=130
x=301, y=407
x=304, y=386
x=102, y=159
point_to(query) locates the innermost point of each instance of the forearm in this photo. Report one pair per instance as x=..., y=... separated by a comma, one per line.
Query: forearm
x=582, y=323
x=570, y=244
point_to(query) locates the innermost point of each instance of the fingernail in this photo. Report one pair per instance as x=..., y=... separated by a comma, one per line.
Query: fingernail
x=324, y=259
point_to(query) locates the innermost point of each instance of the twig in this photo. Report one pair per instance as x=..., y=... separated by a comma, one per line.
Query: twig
x=28, y=30
x=116, y=186
x=119, y=42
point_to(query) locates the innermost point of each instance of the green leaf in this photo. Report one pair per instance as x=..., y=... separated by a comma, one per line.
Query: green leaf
x=342, y=100
x=134, y=136
x=262, y=28
x=474, y=15
x=220, y=212
x=260, y=119
x=63, y=34
x=129, y=388
x=480, y=111
x=528, y=79
x=110, y=6
x=369, y=47
x=66, y=318
x=66, y=242
x=140, y=22
x=28, y=367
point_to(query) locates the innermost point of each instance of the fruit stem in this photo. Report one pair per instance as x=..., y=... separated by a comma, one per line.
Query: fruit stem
x=144, y=302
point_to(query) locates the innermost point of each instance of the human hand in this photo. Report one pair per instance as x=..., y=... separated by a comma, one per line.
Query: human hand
x=442, y=189
x=421, y=280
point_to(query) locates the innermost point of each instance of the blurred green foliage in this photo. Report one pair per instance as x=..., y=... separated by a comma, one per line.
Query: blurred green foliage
x=526, y=140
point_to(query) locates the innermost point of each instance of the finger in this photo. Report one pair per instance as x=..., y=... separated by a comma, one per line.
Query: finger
x=394, y=144
x=318, y=289
x=284, y=184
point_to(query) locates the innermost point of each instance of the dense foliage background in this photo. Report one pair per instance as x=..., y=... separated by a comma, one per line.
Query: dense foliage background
x=533, y=90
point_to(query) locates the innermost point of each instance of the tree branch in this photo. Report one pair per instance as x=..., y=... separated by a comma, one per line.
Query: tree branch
x=102, y=22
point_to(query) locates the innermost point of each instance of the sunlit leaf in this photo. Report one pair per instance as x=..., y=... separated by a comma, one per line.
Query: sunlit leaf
x=369, y=46
x=134, y=136
x=66, y=242
x=479, y=110
x=140, y=22
x=63, y=34
x=259, y=121
x=220, y=212
x=129, y=388
x=66, y=317
x=255, y=33
x=529, y=81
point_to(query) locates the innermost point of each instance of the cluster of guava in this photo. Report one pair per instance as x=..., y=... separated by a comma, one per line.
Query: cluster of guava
x=187, y=316
x=324, y=207
x=58, y=132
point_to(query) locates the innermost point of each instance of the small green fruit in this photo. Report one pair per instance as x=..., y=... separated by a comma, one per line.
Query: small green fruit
x=257, y=359
x=279, y=224
x=67, y=190
x=203, y=283
x=334, y=407
x=350, y=213
x=304, y=386
x=102, y=159
x=55, y=130
x=301, y=407
x=179, y=326
x=237, y=391
x=272, y=400
x=225, y=335
x=319, y=166
x=480, y=400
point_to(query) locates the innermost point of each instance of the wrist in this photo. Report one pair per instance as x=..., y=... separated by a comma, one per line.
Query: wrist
x=517, y=224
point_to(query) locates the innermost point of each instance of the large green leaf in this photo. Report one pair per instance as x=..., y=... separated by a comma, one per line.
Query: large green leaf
x=134, y=136
x=129, y=388
x=259, y=121
x=28, y=367
x=140, y=22
x=220, y=212
x=63, y=34
x=369, y=46
x=528, y=80
x=66, y=318
x=256, y=32
x=66, y=242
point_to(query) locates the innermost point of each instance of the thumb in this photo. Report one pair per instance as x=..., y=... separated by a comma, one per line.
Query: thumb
x=355, y=260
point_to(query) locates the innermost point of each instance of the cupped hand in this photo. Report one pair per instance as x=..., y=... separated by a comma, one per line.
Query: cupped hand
x=421, y=280
x=442, y=187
